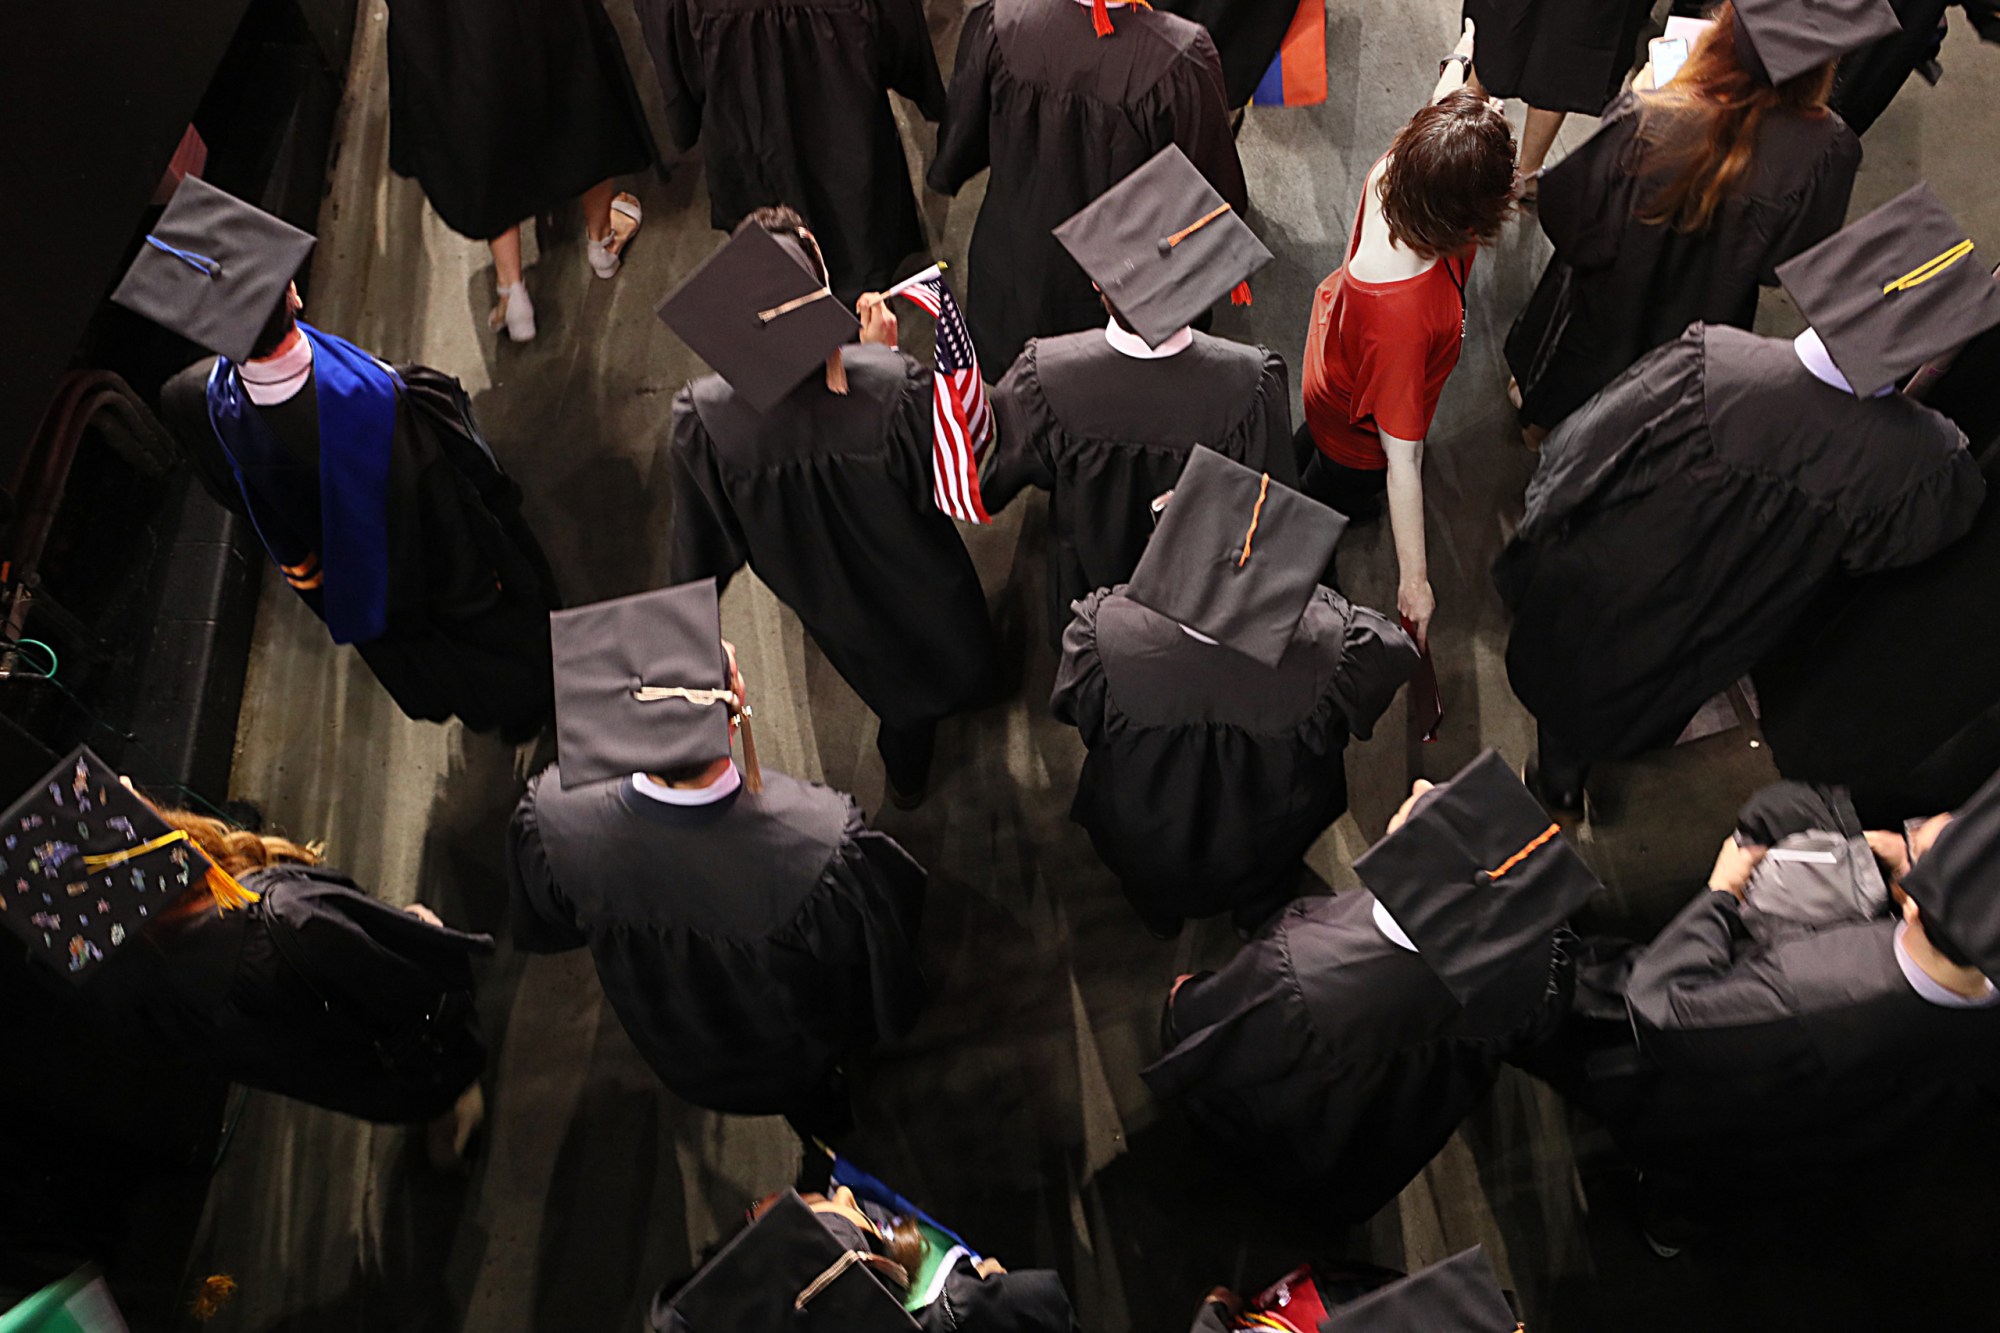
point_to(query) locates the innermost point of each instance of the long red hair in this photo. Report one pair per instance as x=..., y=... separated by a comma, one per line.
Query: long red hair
x=1700, y=131
x=236, y=851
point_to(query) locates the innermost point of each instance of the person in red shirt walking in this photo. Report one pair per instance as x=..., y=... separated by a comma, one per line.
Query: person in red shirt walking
x=1387, y=325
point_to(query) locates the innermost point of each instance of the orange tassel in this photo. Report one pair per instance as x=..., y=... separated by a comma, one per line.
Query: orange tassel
x=1100, y=17
x=836, y=373
x=212, y=1296
x=1240, y=293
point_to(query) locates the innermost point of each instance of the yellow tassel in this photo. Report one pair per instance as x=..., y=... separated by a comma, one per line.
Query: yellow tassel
x=222, y=886
x=212, y=1297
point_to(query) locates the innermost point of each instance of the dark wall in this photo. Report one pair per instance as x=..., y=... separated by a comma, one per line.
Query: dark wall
x=94, y=95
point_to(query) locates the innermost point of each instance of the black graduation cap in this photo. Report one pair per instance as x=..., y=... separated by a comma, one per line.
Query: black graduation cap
x=785, y=1273
x=1956, y=883
x=1163, y=245
x=757, y=313
x=1459, y=1295
x=642, y=685
x=213, y=269
x=1889, y=291
x=85, y=864
x=1236, y=556
x=1785, y=38
x=1477, y=876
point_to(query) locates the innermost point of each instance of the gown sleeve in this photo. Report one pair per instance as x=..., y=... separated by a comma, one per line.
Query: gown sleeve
x=879, y=890
x=1584, y=201
x=1695, y=1004
x=184, y=411
x=1030, y=1301
x=1079, y=695
x=1023, y=423
x=964, y=148
x=1200, y=115
x=1377, y=657
x=543, y=921
x=909, y=65
x=668, y=29
x=707, y=540
x=1937, y=510
x=1821, y=209
x=1274, y=394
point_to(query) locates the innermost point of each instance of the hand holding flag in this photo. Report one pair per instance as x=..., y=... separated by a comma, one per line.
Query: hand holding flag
x=961, y=421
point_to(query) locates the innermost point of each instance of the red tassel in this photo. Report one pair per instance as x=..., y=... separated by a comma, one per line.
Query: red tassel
x=1240, y=293
x=1100, y=17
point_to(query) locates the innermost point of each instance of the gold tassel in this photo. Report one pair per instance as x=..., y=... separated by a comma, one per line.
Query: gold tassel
x=229, y=895
x=836, y=373
x=212, y=1297
x=753, y=776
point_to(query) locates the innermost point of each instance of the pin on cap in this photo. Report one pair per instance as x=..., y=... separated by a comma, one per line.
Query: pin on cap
x=642, y=686
x=213, y=269
x=1786, y=38
x=1891, y=290
x=1236, y=556
x=1163, y=246
x=757, y=313
x=86, y=864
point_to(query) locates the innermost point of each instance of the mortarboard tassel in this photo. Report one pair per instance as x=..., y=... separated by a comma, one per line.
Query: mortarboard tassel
x=1240, y=293
x=1100, y=17
x=836, y=373
x=229, y=895
x=753, y=776
x=1256, y=514
x=212, y=1296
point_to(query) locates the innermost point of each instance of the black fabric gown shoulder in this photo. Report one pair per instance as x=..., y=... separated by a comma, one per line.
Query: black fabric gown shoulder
x=303, y=992
x=1333, y=1061
x=503, y=109
x=1908, y=732
x=1679, y=523
x=829, y=499
x=1557, y=55
x=469, y=587
x=1618, y=287
x=1246, y=33
x=747, y=946
x=1769, y=1064
x=1208, y=774
x=1061, y=115
x=788, y=99
x=1105, y=433
x=1030, y=1301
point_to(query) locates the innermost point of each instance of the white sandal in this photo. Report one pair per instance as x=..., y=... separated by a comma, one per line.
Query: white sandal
x=607, y=255
x=515, y=313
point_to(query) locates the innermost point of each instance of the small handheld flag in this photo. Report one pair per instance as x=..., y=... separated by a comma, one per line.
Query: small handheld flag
x=961, y=421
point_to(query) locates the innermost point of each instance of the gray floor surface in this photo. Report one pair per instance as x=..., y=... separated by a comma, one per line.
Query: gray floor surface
x=1015, y=1109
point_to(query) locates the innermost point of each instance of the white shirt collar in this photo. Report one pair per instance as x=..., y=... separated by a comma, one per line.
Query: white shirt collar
x=709, y=795
x=277, y=378
x=1387, y=925
x=1928, y=987
x=1813, y=354
x=1131, y=344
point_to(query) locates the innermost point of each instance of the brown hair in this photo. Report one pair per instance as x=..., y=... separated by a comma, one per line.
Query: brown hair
x=1449, y=184
x=1700, y=131
x=237, y=851
x=782, y=221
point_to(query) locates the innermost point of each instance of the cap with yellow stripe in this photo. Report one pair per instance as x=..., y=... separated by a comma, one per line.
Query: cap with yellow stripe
x=1479, y=879
x=1894, y=289
x=86, y=864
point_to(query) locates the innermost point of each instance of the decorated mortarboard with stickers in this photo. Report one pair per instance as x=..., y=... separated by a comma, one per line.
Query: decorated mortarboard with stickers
x=1163, y=246
x=785, y=1273
x=1786, y=38
x=86, y=863
x=1889, y=291
x=1237, y=556
x=1479, y=878
x=1457, y=1295
x=757, y=313
x=213, y=269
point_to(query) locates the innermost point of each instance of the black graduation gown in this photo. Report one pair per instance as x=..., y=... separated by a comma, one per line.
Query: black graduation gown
x=469, y=588
x=1679, y=522
x=317, y=992
x=747, y=946
x=1247, y=35
x=1618, y=287
x=1105, y=433
x=1030, y=1301
x=504, y=109
x=1209, y=774
x=1768, y=1064
x=828, y=497
x=1557, y=55
x=1335, y=1061
x=1911, y=731
x=1061, y=115
x=789, y=98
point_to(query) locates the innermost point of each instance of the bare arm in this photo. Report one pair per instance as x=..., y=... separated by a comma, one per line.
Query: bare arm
x=1452, y=77
x=1406, y=522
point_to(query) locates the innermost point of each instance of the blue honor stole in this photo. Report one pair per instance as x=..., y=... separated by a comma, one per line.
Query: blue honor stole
x=347, y=561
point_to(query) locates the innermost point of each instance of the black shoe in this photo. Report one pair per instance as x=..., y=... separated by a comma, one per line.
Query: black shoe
x=1557, y=802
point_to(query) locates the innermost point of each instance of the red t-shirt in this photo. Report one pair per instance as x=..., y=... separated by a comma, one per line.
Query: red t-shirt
x=1378, y=354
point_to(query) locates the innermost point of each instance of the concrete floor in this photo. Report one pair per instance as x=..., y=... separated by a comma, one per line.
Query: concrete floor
x=1014, y=1110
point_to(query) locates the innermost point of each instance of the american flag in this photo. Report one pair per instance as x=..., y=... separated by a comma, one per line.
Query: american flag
x=961, y=422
